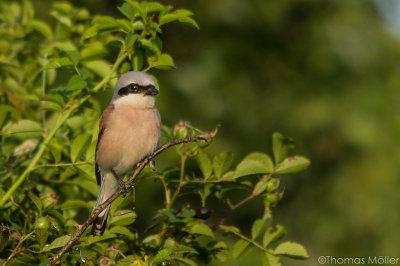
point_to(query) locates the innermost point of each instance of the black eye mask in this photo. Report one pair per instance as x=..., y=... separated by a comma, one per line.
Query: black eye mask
x=134, y=88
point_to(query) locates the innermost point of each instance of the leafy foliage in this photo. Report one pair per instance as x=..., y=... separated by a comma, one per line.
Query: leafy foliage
x=49, y=109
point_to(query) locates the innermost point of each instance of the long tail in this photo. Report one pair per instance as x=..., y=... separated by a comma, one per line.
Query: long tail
x=109, y=186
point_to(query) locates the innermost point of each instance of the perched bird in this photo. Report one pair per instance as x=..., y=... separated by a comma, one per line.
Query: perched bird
x=129, y=130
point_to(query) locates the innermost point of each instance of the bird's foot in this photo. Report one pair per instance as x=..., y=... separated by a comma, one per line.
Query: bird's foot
x=122, y=187
x=152, y=165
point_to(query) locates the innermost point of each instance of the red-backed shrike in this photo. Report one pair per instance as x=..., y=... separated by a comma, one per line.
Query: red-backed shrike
x=129, y=130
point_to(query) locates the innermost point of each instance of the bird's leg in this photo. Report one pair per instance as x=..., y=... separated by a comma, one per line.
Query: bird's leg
x=120, y=182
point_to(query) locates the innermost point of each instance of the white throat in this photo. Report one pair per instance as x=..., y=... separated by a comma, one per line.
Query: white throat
x=136, y=100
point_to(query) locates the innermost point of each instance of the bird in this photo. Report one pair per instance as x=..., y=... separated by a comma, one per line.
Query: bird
x=129, y=130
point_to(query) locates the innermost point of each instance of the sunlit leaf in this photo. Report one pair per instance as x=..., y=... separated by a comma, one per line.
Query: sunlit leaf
x=205, y=164
x=258, y=228
x=73, y=56
x=41, y=27
x=292, y=249
x=79, y=145
x=58, y=62
x=221, y=163
x=270, y=260
x=127, y=10
x=281, y=146
x=162, y=256
x=76, y=204
x=181, y=15
x=292, y=165
x=57, y=243
x=36, y=200
x=241, y=249
x=123, y=217
x=76, y=83
x=199, y=227
x=23, y=126
x=122, y=231
x=273, y=236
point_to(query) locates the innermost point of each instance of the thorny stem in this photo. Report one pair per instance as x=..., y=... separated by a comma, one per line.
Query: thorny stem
x=129, y=184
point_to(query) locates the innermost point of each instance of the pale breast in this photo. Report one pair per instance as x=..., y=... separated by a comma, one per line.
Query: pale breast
x=129, y=136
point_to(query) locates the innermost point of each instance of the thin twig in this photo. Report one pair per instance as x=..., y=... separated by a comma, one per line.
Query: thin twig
x=230, y=210
x=128, y=185
x=16, y=249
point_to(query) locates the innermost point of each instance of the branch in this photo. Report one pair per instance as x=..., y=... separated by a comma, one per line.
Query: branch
x=16, y=249
x=129, y=184
x=228, y=213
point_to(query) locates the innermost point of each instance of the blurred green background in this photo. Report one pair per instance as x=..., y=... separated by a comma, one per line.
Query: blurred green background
x=326, y=73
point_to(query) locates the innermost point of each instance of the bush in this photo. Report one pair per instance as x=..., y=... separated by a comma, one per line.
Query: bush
x=52, y=82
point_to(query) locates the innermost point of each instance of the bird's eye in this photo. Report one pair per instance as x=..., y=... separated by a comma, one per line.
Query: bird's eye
x=135, y=87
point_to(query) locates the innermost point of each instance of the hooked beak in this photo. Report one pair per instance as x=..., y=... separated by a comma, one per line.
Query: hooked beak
x=152, y=91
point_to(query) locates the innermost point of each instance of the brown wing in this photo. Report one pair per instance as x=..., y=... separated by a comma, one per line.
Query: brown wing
x=102, y=127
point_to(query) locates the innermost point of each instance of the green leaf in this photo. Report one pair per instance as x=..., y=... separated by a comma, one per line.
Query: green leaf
x=165, y=62
x=137, y=7
x=73, y=56
x=127, y=10
x=57, y=243
x=292, y=249
x=100, y=67
x=130, y=39
x=42, y=235
x=93, y=51
x=55, y=152
x=122, y=231
x=281, y=146
x=79, y=145
x=55, y=98
x=181, y=15
x=162, y=256
x=221, y=251
x=199, y=227
x=241, y=248
x=205, y=164
x=292, y=165
x=41, y=27
x=104, y=23
x=221, y=163
x=254, y=163
x=123, y=217
x=86, y=184
x=151, y=7
x=271, y=237
x=58, y=62
x=185, y=261
x=76, y=204
x=36, y=200
x=94, y=239
x=270, y=260
x=23, y=126
x=63, y=7
x=258, y=228
x=231, y=229
x=137, y=60
x=51, y=106
x=76, y=83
